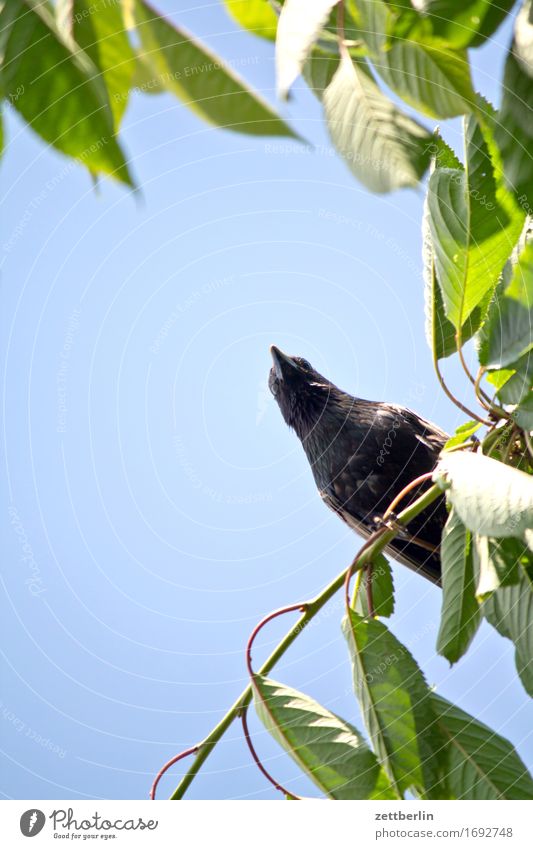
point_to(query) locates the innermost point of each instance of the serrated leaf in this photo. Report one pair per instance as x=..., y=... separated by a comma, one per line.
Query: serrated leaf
x=102, y=34
x=201, y=79
x=382, y=586
x=427, y=75
x=510, y=611
x=480, y=764
x=518, y=385
x=462, y=434
x=474, y=225
x=396, y=707
x=319, y=70
x=508, y=334
x=440, y=332
x=523, y=414
x=514, y=131
x=256, y=16
x=329, y=750
x=299, y=25
x=460, y=615
x=523, y=37
x=145, y=80
x=465, y=24
x=496, y=563
x=491, y=498
x=382, y=146
x=61, y=95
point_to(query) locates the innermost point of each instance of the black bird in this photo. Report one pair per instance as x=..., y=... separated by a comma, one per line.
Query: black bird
x=362, y=454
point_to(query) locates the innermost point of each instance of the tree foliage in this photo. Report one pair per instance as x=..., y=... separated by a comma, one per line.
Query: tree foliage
x=69, y=69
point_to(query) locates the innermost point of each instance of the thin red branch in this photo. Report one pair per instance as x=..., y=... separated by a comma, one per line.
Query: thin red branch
x=166, y=767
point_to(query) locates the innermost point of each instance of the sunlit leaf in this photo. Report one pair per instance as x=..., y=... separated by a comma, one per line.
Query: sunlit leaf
x=101, y=33
x=465, y=24
x=462, y=434
x=508, y=334
x=299, y=24
x=427, y=75
x=61, y=94
x=256, y=16
x=491, y=498
x=474, y=225
x=510, y=611
x=382, y=587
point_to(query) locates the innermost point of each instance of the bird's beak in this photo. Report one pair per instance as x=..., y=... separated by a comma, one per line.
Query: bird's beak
x=283, y=364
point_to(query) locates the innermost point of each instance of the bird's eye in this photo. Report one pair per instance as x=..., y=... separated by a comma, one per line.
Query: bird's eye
x=305, y=364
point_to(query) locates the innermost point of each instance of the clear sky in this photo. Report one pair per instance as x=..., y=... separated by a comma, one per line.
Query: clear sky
x=155, y=504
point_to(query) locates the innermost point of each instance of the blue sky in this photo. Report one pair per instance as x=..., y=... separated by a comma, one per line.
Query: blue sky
x=155, y=505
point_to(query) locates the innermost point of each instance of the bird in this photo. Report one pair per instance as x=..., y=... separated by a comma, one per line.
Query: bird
x=362, y=454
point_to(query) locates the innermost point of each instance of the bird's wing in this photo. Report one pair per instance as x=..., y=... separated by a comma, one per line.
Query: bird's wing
x=394, y=447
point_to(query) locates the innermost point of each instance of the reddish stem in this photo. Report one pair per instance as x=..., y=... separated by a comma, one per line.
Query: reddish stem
x=301, y=607
x=405, y=490
x=257, y=761
x=369, y=597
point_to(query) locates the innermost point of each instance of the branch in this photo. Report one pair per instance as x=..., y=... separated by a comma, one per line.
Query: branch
x=373, y=546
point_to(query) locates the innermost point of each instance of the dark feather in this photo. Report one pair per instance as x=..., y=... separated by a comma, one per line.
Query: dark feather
x=362, y=454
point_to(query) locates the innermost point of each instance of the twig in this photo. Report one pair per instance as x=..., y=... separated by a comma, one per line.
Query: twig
x=452, y=397
x=257, y=760
x=369, y=594
x=166, y=767
x=373, y=546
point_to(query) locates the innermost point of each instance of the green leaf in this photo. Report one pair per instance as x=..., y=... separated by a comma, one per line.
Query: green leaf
x=480, y=764
x=101, y=33
x=496, y=563
x=510, y=611
x=382, y=589
x=515, y=381
x=462, y=434
x=508, y=333
x=329, y=750
x=63, y=98
x=396, y=706
x=427, y=75
x=200, y=78
x=474, y=225
x=491, y=498
x=460, y=616
x=256, y=16
x=145, y=79
x=382, y=146
x=299, y=25
x=514, y=131
x=523, y=415
x=440, y=332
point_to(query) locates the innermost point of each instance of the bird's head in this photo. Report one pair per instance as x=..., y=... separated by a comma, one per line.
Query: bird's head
x=301, y=392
